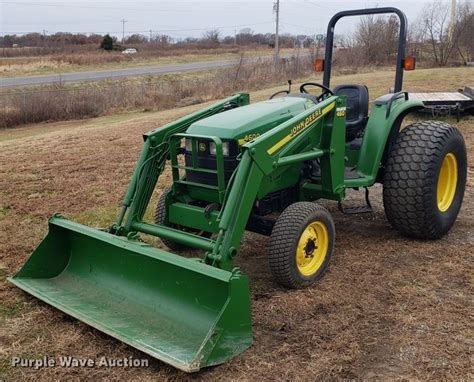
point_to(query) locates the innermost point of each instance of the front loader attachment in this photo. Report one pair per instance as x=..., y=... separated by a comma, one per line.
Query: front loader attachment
x=189, y=313
x=179, y=310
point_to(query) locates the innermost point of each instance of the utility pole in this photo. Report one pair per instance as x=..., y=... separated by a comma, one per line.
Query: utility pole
x=276, y=9
x=452, y=23
x=235, y=36
x=123, y=21
x=151, y=34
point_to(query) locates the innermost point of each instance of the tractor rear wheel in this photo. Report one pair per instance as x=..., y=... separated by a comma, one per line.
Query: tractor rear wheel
x=424, y=180
x=301, y=244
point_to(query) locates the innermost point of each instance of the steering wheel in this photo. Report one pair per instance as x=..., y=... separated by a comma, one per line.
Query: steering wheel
x=280, y=92
x=325, y=90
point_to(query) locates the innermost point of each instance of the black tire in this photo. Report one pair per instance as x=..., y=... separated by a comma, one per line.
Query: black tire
x=410, y=187
x=160, y=214
x=290, y=227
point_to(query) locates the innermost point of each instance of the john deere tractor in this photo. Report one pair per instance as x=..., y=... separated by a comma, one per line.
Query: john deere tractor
x=258, y=167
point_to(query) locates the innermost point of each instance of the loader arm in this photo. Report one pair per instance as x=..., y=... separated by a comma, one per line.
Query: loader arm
x=152, y=160
x=320, y=130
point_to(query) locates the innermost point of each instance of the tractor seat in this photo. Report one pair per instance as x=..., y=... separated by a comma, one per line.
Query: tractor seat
x=357, y=108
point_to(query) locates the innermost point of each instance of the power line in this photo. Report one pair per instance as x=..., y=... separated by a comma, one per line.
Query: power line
x=154, y=30
x=216, y=27
x=302, y=27
x=305, y=2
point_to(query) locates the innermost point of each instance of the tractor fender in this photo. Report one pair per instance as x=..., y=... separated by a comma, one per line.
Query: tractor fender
x=380, y=134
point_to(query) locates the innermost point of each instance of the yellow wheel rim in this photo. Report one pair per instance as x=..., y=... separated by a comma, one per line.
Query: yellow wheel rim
x=312, y=248
x=447, y=181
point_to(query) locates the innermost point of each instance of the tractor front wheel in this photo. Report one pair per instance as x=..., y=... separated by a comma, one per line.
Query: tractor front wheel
x=160, y=214
x=424, y=179
x=301, y=244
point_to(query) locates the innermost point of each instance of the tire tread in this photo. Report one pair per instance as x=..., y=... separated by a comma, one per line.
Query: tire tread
x=411, y=178
x=287, y=229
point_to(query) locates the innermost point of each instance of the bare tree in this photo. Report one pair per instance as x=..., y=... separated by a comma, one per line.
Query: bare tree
x=465, y=43
x=245, y=36
x=374, y=42
x=135, y=39
x=376, y=37
x=212, y=36
x=246, y=31
x=162, y=41
x=416, y=38
x=443, y=37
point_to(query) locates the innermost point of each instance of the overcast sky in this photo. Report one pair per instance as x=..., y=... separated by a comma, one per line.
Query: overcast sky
x=181, y=18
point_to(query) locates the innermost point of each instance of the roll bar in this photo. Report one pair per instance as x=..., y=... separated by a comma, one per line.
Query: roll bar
x=361, y=12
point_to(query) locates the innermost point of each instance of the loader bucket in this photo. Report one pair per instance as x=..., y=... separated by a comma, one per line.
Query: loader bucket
x=181, y=311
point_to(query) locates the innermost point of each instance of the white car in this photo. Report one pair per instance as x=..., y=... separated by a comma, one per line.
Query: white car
x=129, y=51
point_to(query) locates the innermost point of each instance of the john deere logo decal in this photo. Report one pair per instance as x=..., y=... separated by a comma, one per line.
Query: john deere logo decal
x=202, y=147
x=300, y=127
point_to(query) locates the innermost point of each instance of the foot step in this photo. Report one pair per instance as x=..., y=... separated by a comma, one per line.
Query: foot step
x=357, y=210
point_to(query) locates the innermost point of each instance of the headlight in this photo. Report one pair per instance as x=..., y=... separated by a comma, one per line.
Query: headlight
x=225, y=148
x=188, y=145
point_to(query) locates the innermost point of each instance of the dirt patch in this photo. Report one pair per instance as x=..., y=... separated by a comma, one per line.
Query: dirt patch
x=387, y=308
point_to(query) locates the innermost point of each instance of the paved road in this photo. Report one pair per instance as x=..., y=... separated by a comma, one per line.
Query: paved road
x=117, y=73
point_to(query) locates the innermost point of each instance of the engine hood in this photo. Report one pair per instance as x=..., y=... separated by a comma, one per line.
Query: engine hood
x=247, y=122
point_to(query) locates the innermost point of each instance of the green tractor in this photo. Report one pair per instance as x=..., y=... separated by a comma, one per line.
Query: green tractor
x=258, y=167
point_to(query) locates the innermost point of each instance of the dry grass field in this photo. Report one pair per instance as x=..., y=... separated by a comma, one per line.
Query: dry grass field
x=29, y=66
x=64, y=102
x=101, y=60
x=388, y=308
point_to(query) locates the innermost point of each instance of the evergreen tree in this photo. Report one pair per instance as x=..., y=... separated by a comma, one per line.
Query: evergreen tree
x=107, y=43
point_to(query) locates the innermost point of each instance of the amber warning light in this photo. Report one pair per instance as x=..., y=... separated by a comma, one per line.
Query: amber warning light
x=318, y=65
x=409, y=63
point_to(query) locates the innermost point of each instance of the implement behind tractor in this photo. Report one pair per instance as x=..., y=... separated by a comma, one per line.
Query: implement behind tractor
x=238, y=166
